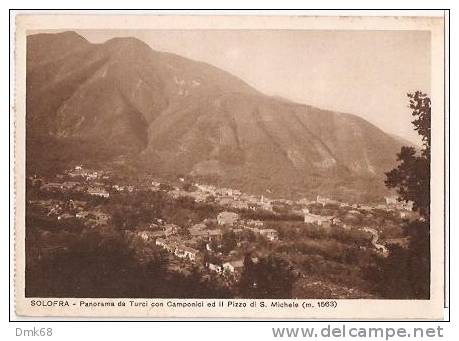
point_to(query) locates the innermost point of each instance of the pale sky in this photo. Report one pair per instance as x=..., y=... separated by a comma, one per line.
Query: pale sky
x=367, y=73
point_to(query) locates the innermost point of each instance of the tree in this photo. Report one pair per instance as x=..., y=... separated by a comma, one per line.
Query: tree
x=405, y=273
x=411, y=178
x=247, y=282
x=188, y=187
x=271, y=277
x=229, y=242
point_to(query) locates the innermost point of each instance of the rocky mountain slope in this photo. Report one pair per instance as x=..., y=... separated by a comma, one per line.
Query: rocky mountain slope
x=171, y=115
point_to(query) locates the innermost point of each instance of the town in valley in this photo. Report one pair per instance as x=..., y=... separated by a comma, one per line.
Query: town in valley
x=214, y=233
x=150, y=173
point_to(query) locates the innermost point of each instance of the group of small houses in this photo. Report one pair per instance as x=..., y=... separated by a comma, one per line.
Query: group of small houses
x=74, y=186
x=95, y=189
x=93, y=183
x=169, y=239
x=231, y=219
x=63, y=210
x=226, y=197
x=69, y=209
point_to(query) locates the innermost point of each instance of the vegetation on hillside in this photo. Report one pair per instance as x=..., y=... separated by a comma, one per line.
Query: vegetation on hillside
x=406, y=272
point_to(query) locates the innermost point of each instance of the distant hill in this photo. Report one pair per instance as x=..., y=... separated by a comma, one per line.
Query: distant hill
x=170, y=115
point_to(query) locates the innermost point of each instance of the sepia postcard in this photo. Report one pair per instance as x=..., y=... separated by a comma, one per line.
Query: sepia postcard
x=230, y=165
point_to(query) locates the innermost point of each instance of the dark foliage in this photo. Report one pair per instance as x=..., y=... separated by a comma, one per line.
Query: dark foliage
x=271, y=277
x=103, y=265
x=411, y=178
x=405, y=273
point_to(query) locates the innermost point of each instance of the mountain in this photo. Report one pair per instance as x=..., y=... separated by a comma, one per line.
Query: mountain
x=170, y=115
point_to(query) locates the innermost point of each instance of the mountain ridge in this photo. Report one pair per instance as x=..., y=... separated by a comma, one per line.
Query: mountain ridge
x=174, y=116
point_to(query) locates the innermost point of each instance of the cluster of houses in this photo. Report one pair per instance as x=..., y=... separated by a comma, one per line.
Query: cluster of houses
x=61, y=186
x=73, y=186
x=123, y=188
x=71, y=209
x=225, y=197
x=321, y=220
x=178, y=249
x=87, y=174
x=98, y=191
x=231, y=219
x=184, y=245
x=182, y=251
x=404, y=208
x=167, y=236
x=83, y=181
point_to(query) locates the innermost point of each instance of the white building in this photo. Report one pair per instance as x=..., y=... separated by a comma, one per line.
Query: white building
x=100, y=192
x=186, y=252
x=233, y=266
x=214, y=267
x=270, y=234
x=320, y=220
